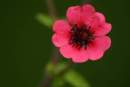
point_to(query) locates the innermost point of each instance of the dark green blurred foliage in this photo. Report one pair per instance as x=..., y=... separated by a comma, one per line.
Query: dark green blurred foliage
x=26, y=44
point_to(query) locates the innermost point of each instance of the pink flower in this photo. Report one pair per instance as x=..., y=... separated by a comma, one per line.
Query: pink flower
x=83, y=36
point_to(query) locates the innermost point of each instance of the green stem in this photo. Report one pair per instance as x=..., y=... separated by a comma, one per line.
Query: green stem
x=55, y=55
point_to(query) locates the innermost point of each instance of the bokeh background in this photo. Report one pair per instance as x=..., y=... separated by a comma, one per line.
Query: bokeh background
x=26, y=44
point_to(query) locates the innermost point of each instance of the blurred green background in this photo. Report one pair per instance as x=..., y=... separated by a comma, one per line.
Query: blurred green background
x=26, y=44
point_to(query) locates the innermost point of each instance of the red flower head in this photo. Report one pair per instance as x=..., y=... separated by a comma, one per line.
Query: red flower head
x=83, y=36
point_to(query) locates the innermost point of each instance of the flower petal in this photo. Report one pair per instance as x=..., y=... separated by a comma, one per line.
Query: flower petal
x=66, y=51
x=97, y=20
x=103, y=29
x=98, y=25
x=102, y=43
x=87, y=14
x=74, y=14
x=61, y=26
x=60, y=40
x=100, y=17
x=88, y=10
x=95, y=54
x=97, y=48
x=78, y=56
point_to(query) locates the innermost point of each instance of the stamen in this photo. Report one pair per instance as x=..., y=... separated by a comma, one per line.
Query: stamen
x=80, y=37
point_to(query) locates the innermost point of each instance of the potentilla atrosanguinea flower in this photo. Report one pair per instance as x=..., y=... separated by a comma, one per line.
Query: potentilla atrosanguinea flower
x=83, y=36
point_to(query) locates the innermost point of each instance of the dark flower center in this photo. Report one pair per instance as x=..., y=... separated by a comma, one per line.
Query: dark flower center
x=80, y=37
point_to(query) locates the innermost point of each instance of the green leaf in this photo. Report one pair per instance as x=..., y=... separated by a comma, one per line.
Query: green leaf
x=44, y=19
x=50, y=68
x=60, y=67
x=75, y=79
x=58, y=82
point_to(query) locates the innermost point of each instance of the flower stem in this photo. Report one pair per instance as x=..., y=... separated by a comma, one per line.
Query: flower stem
x=52, y=13
x=48, y=78
x=51, y=9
